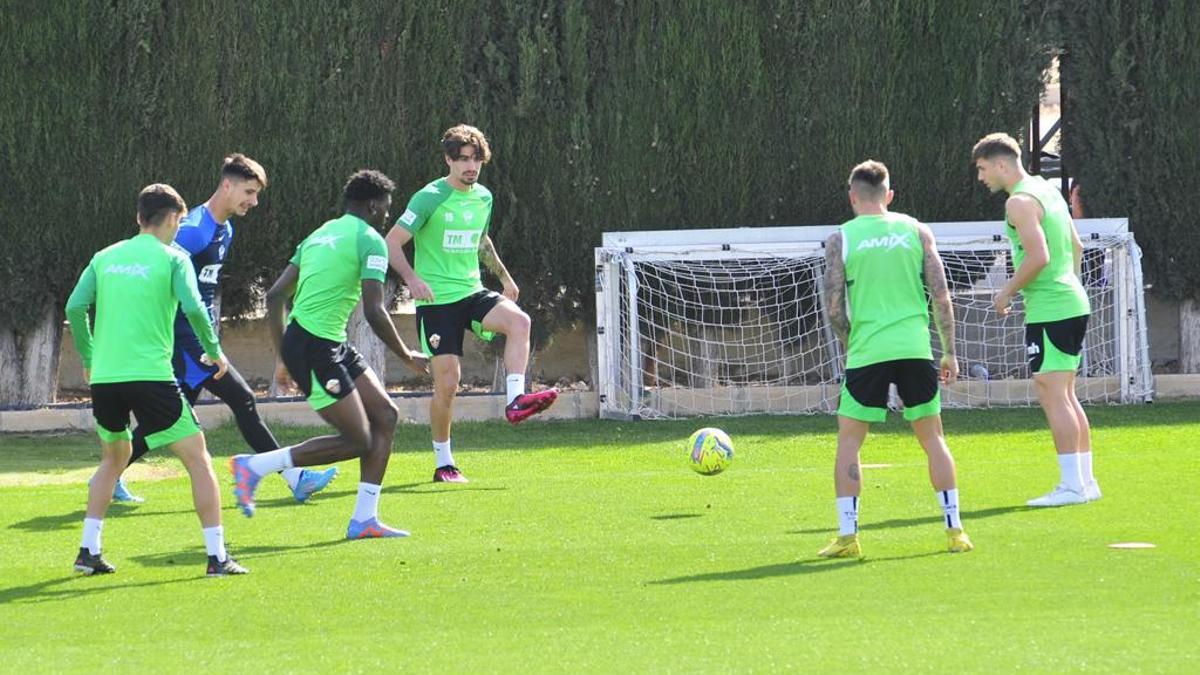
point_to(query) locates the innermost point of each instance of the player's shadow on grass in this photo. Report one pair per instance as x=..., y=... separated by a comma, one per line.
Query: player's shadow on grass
x=967, y=517
x=74, y=519
x=676, y=516
x=76, y=586
x=787, y=569
x=195, y=555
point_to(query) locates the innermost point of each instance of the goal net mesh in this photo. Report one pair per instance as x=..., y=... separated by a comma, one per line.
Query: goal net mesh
x=725, y=330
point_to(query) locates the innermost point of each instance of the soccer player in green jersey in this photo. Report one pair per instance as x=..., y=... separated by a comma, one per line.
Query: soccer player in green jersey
x=448, y=222
x=343, y=261
x=1047, y=256
x=136, y=286
x=878, y=268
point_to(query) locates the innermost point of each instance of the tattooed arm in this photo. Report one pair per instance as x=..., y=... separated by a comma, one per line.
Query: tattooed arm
x=835, y=289
x=943, y=309
x=491, y=260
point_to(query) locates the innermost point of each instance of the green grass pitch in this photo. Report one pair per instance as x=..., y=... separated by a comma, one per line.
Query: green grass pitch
x=591, y=547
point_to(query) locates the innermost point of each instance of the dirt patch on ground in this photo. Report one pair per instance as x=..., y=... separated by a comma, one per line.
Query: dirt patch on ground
x=138, y=472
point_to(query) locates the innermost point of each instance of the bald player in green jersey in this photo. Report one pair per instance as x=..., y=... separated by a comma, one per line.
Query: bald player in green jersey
x=878, y=268
x=136, y=286
x=1047, y=259
x=448, y=222
x=341, y=262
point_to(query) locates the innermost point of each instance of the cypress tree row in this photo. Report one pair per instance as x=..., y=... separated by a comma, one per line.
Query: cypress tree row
x=603, y=116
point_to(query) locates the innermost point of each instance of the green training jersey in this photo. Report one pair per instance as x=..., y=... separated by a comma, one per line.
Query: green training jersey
x=1056, y=293
x=885, y=290
x=334, y=260
x=136, y=286
x=447, y=226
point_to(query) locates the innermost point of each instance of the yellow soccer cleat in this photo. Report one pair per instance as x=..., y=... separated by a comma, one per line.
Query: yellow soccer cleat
x=958, y=541
x=843, y=547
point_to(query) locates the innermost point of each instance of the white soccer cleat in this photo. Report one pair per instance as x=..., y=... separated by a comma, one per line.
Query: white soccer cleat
x=1091, y=491
x=1061, y=495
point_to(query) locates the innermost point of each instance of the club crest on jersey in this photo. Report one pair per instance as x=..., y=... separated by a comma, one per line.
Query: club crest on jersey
x=887, y=241
x=333, y=386
x=435, y=340
x=329, y=240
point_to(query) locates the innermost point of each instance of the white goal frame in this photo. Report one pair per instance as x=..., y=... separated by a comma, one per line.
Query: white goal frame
x=620, y=387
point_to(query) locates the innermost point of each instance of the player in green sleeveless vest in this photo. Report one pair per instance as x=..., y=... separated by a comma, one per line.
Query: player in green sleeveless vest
x=448, y=222
x=338, y=264
x=1047, y=257
x=878, y=268
x=136, y=287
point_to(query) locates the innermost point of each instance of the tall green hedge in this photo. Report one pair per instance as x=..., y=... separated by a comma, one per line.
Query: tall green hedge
x=654, y=114
x=1132, y=77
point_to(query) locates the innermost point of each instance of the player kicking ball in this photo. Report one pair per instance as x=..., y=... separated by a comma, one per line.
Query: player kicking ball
x=448, y=222
x=878, y=269
x=342, y=261
x=136, y=287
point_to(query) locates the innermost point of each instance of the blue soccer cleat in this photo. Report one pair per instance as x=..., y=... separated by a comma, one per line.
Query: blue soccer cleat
x=372, y=529
x=122, y=494
x=312, y=482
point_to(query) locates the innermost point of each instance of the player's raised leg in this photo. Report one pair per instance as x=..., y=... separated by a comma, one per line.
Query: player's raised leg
x=509, y=320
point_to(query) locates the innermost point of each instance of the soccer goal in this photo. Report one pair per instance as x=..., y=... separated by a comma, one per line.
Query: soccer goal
x=732, y=321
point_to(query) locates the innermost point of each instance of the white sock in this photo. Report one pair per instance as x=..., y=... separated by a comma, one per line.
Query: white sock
x=214, y=542
x=292, y=476
x=1085, y=467
x=847, y=508
x=442, y=451
x=367, y=506
x=269, y=462
x=949, y=501
x=91, y=534
x=515, y=385
x=1068, y=465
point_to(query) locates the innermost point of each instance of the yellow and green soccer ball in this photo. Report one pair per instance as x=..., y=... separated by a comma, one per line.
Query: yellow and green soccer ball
x=709, y=451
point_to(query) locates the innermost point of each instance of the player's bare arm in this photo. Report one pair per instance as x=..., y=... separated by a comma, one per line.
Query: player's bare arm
x=1077, y=250
x=1025, y=215
x=396, y=239
x=835, y=289
x=376, y=314
x=491, y=260
x=943, y=308
x=277, y=298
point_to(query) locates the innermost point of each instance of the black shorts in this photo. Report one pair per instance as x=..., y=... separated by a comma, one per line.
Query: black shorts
x=159, y=408
x=865, y=391
x=441, y=327
x=1055, y=345
x=323, y=369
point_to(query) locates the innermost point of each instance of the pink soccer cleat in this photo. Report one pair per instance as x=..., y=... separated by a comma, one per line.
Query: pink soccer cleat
x=527, y=405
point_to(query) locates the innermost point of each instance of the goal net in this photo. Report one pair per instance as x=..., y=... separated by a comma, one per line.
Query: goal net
x=728, y=322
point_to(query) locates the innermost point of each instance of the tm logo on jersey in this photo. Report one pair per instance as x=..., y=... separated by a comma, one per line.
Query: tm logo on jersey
x=142, y=271
x=460, y=240
x=329, y=240
x=208, y=274
x=889, y=242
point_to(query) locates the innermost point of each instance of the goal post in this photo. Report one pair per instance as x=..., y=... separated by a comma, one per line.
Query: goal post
x=732, y=321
